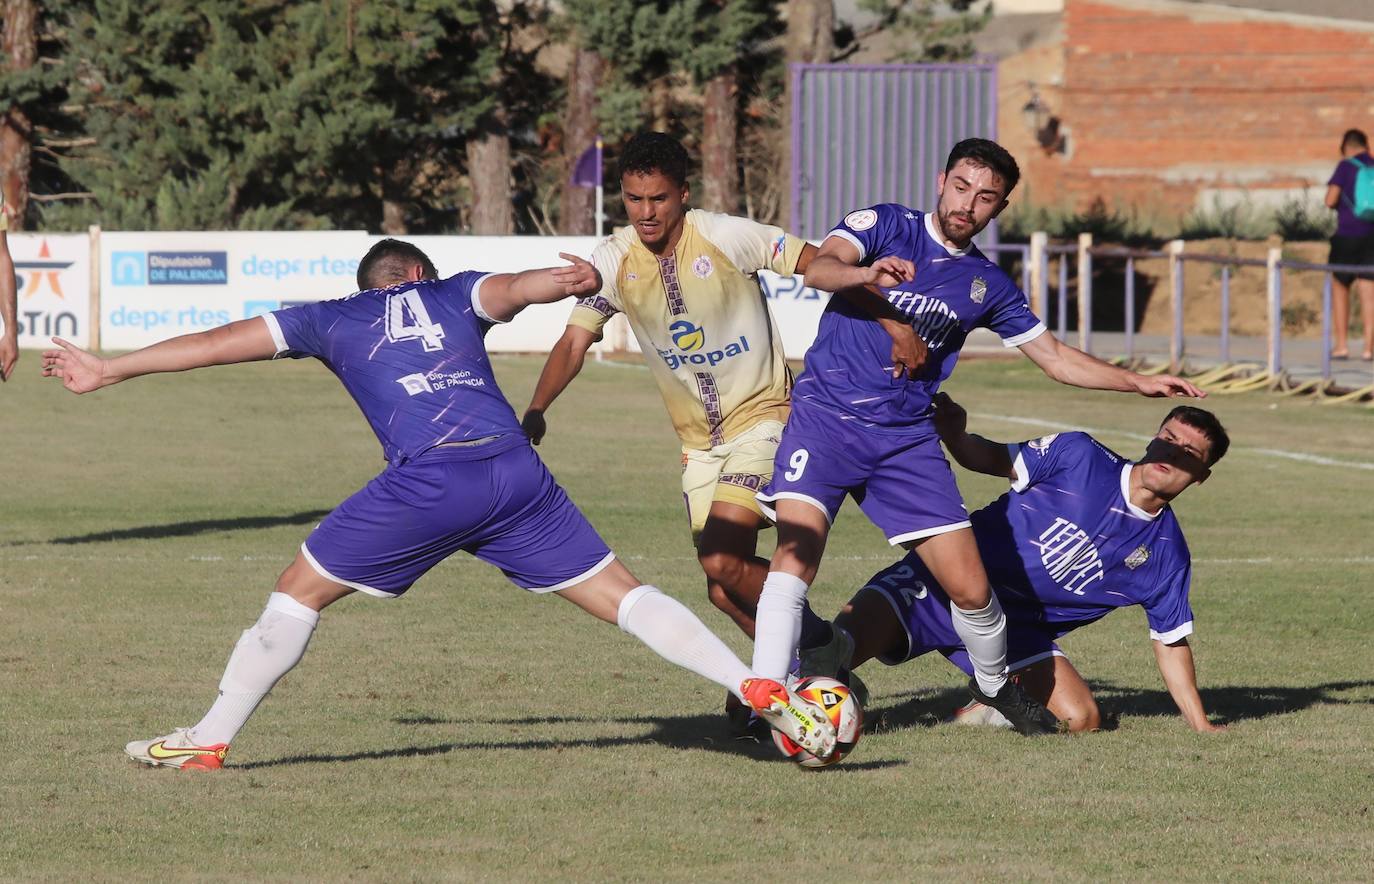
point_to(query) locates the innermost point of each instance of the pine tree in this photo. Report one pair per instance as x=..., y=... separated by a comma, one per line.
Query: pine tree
x=218, y=114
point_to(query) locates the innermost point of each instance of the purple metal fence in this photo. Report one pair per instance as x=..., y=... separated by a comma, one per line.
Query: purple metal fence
x=866, y=134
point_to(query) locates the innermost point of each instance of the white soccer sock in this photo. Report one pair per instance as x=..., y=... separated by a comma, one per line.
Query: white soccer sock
x=675, y=634
x=265, y=652
x=984, y=634
x=777, y=625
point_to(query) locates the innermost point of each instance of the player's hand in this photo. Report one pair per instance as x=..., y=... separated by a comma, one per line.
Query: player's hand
x=581, y=278
x=951, y=421
x=9, y=354
x=533, y=425
x=889, y=271
x=80, y=370
x=908, y=350
x=1166, y=385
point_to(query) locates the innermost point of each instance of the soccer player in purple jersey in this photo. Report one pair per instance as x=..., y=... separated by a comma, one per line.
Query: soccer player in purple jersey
x=460, y=476
x=861, y=413
x=1082, y=532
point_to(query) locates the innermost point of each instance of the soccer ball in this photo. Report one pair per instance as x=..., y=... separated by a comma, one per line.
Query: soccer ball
x=844, y=712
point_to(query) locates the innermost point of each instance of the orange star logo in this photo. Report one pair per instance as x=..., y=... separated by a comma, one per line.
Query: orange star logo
x=43, y=268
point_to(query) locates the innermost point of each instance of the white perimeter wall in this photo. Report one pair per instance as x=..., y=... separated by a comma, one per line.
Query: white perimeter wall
x=155, y=285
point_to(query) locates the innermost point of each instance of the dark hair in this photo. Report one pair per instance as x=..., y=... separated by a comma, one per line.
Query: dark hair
x=988, y=154
x=650, y=152
x=1201, y=419
x=386, y=264
x=1355, y=137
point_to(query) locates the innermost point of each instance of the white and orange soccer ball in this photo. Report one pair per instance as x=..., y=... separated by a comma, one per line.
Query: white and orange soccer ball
x=843, y=710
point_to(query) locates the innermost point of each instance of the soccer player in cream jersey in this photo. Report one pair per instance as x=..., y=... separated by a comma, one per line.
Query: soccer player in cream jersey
x=687, y=282
x=1082, y=532
x=860, y=429
x=460, y=475
x=9, y=299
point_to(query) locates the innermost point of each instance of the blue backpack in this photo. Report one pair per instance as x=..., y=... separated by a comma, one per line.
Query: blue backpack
x=1362, y=199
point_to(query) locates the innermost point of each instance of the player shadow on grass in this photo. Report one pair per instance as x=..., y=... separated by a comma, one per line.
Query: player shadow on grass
x=188, y=529
x=1231, y=704
x=708, y=731
x=929, y=707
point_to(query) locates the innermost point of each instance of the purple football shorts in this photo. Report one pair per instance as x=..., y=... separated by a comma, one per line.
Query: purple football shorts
x=901, y=481
x=923, y=610
x=506, y=510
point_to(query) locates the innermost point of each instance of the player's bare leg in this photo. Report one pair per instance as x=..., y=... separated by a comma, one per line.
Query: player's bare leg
x=1056, y=683
x=727, y=551
x=872, y=626
x=265, y=652
x=1340, y=318
x=1365, y=289
x=802, y=532
x=675, y=634
x=953, y=561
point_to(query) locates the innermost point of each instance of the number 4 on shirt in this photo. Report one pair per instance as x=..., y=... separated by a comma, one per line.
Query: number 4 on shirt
x=407, y=318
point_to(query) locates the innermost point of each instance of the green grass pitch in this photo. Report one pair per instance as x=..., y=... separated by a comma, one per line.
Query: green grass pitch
x=473, y=732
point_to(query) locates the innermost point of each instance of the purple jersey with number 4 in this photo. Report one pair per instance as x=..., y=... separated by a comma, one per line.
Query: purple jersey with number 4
x=412, y=356
x=848, y=368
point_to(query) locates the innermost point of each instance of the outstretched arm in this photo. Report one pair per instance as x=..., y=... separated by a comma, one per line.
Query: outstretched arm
x=971, y=451
x=9, y=308
x=834, y=268
x=1176, y=665
x=506, y=294
x=1069, y=365
x=82, y=371
x=565, y=361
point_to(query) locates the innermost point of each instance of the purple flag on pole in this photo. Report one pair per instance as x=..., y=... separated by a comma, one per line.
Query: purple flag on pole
x=587, y=172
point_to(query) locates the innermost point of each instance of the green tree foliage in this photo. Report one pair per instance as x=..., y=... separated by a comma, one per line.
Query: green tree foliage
x=634, y=38
x=930, y=30
x=223, y=114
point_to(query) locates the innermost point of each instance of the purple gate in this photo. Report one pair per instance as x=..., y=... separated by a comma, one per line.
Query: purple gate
x=865, y=134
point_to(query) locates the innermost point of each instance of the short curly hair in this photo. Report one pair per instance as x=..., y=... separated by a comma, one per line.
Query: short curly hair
x=650, y=152
x=989, y=155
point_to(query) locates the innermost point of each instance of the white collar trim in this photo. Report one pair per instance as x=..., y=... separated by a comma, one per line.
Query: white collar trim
x=1126, y=495
x=940, y=240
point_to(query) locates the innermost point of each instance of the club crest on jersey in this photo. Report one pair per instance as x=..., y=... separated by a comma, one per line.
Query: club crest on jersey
x=1138, y=557
x=978, y=290
x=703, y=267
x=1043, y=442
x=861, y=220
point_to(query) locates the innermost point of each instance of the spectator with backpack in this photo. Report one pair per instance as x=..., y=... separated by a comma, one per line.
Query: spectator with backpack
x=1351, y=193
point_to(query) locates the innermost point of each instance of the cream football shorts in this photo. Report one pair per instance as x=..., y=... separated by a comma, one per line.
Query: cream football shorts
x=732, y=472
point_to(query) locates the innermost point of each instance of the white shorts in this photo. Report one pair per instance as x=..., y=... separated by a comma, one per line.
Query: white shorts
x=732, y=472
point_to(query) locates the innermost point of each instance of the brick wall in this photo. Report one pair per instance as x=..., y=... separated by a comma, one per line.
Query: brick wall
x=1163, y=100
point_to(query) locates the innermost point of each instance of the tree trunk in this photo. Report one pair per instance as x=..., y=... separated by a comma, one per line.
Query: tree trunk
x=577, y=207
x=661, y=104
x=393, y=201
x=493, y=214
x=810, y=40
x=719, y=157
x=20, y=45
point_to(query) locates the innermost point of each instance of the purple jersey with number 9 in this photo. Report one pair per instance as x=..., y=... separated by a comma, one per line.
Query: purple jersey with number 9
x=412, y=357
x=849, y=367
